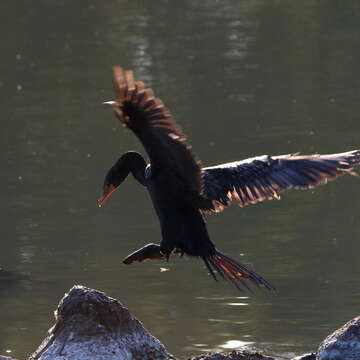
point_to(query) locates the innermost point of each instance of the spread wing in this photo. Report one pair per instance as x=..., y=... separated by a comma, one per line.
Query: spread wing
x=146, y=115
x=264, y=177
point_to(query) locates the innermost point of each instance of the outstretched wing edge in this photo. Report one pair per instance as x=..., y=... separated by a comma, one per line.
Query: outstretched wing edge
x=264, y=177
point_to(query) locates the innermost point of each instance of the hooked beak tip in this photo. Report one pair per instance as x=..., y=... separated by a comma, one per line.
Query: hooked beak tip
x=111, y=103
x=108, y=191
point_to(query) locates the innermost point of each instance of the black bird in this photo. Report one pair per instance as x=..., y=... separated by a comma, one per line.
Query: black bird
x=182, y=190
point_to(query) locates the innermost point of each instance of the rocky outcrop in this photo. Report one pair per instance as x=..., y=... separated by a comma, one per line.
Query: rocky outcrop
x=311, y=356
x=246, y=355
x=234, y=355
x=343, y=343
x=90, y=325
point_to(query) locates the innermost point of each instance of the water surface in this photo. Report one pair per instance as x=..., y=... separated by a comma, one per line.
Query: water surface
x=243, y=78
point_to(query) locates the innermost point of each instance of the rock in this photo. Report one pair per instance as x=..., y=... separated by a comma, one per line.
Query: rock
x=6, y=358
x=90, y=325
x=311, y=356
x=342, y=344
x=234, y=355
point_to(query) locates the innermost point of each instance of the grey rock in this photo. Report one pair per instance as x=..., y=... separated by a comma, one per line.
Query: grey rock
x=343, y=344
x=234, y=355
x=311, y=356
x=90, y=325
x=6, y=357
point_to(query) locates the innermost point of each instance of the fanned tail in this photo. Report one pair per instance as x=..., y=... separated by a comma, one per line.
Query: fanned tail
x=233, y=271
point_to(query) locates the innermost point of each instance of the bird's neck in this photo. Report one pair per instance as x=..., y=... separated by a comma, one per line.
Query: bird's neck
x=136, y=165
x=139, y=174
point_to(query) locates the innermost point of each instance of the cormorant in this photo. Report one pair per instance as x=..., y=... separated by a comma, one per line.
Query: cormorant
x=182, y=190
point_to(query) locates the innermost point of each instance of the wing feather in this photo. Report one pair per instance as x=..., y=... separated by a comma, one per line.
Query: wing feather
x=141, y=111
x=264, y=177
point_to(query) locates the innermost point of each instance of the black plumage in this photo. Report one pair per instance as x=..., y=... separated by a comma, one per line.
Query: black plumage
x=264, y=177
x=182, y=190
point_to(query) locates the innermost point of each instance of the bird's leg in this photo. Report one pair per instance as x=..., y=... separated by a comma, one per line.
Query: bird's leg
x=149, y=251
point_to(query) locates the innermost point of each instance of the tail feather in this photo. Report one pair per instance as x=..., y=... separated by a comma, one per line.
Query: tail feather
x=211, y=271
x=233, y=271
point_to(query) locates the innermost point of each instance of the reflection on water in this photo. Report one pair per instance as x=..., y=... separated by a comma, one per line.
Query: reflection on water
x=243, y=78
x=235, y=344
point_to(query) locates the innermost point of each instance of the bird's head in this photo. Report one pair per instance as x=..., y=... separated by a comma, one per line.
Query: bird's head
x=128, y=162
x=114, y=177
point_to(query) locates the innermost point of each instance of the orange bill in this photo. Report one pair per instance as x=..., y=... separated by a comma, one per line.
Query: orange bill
x=107, y=193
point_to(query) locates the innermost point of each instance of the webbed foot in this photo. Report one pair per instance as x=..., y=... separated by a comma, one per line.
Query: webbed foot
x=149, y=251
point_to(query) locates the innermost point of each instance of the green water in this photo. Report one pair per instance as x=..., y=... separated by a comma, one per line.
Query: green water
x=243, y=78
